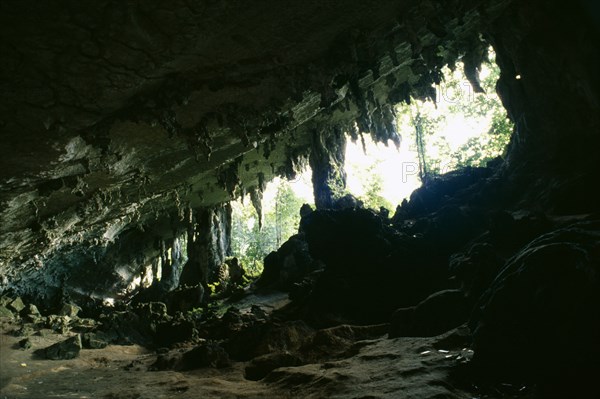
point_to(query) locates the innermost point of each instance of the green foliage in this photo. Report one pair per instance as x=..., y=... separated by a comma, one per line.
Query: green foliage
x=247, y=242
x=286, y=214
x=280, y=221
x=427, y=122
x=373, y=185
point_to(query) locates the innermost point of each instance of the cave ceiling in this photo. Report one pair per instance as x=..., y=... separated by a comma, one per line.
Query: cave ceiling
x=113, y=113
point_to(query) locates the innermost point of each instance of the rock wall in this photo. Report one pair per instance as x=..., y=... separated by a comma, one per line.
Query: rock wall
x=548, y=53
x=209, y=243
x=327, y=157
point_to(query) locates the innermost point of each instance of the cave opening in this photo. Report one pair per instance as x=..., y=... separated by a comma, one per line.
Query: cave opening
x=123, y=267
x=462, y=126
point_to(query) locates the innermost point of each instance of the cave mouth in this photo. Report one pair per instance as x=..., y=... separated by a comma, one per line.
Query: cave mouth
x=484, y=284
x=464, y=125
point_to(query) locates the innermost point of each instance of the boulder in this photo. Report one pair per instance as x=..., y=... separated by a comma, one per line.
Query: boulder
x=94, y=340
x=24, y=331
x=288, y=265
x=17, y=305
x=60, y=324
x=185, y=298
x=205, y=355
x=32, y=313
x=69, y=309
x=64, y=350
x=126, y=327
x=152, y=310
x=370, y=267
x=5, y=313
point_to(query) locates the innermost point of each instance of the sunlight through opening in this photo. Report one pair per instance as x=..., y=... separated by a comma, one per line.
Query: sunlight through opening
x=461, y=128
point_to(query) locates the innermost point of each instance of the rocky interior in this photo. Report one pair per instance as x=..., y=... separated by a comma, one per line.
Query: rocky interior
x=128, y=127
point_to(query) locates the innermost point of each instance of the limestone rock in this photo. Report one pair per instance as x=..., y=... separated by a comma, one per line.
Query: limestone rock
x=5, y=300
x=94, y=340
x=24, y=331
x=6, y=313
x=152, y=310
x=69, y=309
x=288, y=265
x=33, y=310
x=263, y=338
x=205, y=355
x=64, y=350
x=17, y=305
x=59, y=324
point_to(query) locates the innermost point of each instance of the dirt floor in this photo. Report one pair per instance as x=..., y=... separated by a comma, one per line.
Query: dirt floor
x=383, y=368
x=411, y=368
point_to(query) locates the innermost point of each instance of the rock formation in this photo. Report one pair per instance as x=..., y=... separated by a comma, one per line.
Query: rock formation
x=128, y=127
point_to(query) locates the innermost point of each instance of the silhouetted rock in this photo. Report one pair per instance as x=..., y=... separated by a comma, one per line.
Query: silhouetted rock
x=371, y=268
x=540, y=319
x=170, y=333
x=437, y=314
x=205, y=355
x=476, y=268
x=288, y=265
x=347, y=201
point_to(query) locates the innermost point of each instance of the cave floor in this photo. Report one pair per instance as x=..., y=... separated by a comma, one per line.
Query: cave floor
x=381, y=368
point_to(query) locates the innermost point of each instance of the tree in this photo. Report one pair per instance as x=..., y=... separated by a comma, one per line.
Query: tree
x=373, y=187
x=286, y=213
x=250, y=243
x=423, y=122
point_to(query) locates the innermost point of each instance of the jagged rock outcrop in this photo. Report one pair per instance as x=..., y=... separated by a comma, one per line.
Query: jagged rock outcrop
x=209, y=243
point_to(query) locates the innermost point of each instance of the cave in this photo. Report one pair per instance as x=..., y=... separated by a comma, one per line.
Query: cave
x=128, y=128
